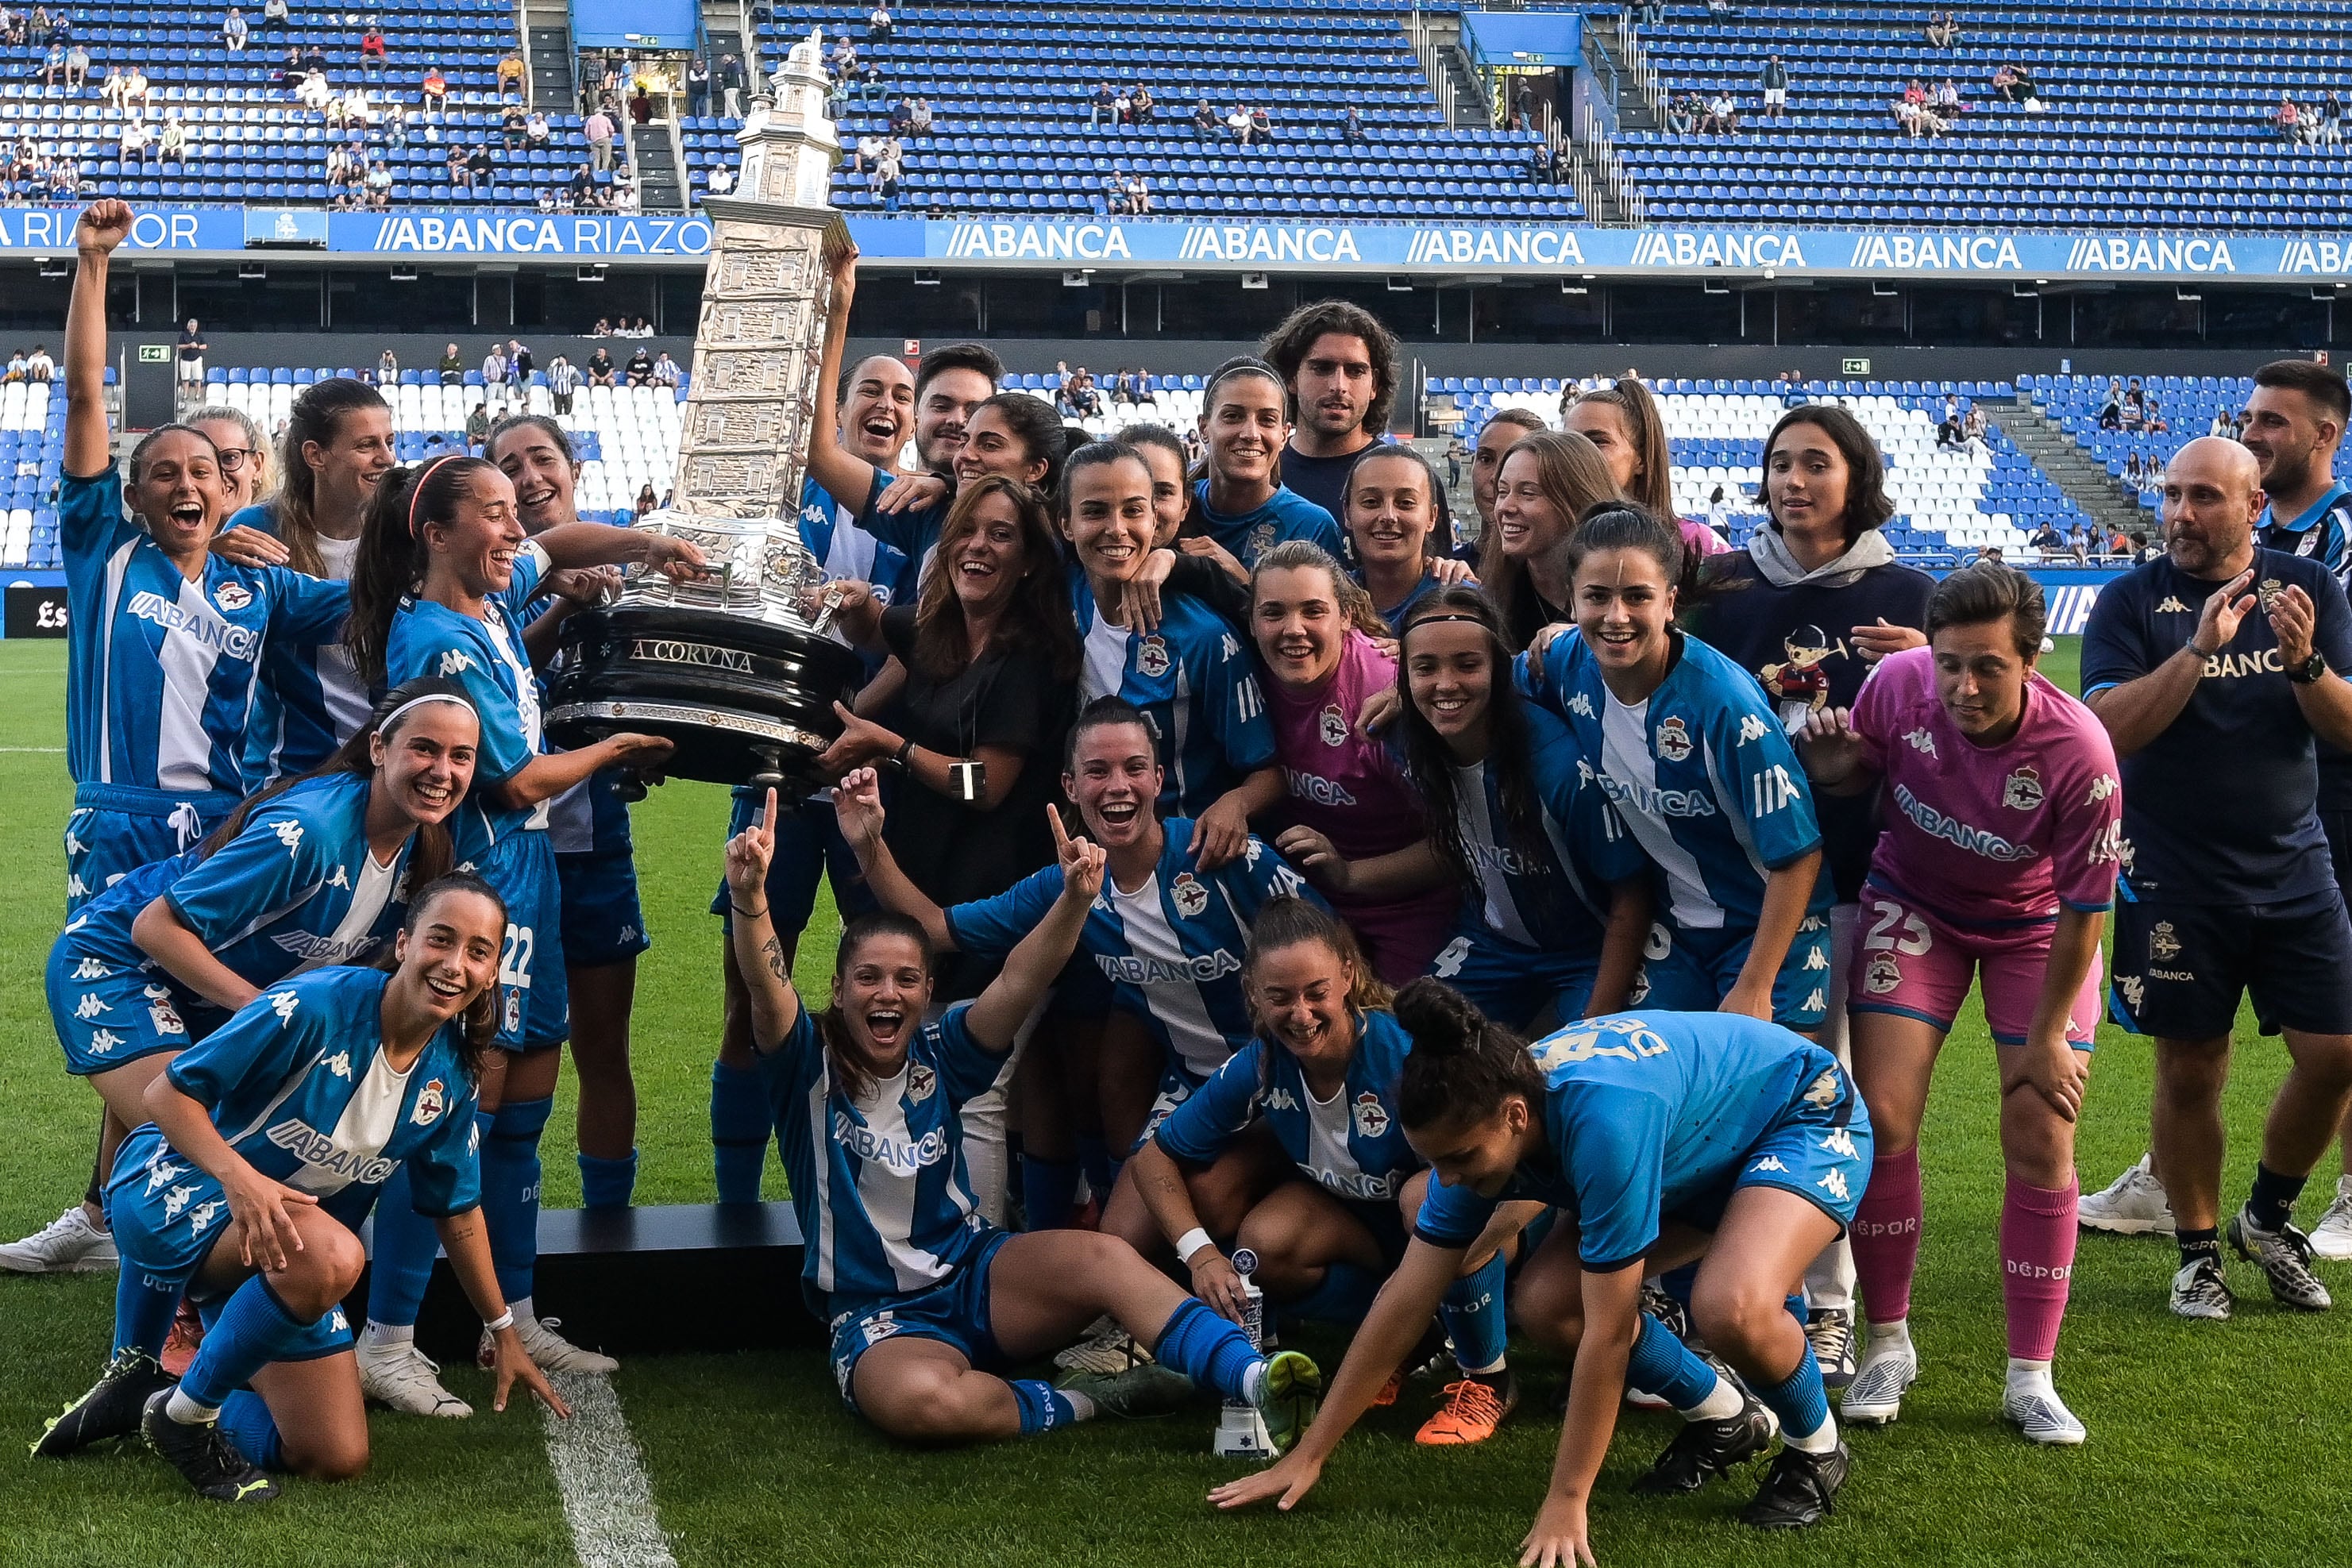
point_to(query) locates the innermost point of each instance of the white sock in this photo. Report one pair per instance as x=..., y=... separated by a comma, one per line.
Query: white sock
x=1819, y=1441
x=1891, y=1338
x=187, y=1412
x=1721, y=1404
x=389, y=1334
x=2031, y=1377
x=520, y=1307
x=1254, y=1382
x=1082, y=1405
x=1494, y=1371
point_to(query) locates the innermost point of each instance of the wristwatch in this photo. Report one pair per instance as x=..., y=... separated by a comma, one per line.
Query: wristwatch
x=2308, y=672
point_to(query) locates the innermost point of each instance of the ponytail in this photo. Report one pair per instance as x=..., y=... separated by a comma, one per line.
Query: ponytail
x=391, y=555
x=1462, y=1065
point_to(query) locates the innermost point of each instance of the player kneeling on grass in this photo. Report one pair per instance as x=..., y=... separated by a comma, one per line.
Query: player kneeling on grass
x=1997, y=861
x=926, y=1298
x=1322, y=1078
x=1671, y=1136
x=269, y=1142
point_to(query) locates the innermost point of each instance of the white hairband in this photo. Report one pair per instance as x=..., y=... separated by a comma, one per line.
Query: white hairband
x=394, y=716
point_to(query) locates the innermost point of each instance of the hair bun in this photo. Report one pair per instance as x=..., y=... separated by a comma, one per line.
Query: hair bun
x=1441, y=1019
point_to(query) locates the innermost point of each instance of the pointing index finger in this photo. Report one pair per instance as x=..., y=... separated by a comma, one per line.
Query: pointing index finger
x=1061, y=834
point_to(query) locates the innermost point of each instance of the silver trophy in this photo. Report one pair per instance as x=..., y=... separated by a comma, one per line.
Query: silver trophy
x=1241, y=1429
x=737, y=667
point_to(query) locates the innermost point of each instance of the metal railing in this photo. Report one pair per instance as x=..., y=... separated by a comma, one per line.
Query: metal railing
x=1638, y=67
x=1593, y=152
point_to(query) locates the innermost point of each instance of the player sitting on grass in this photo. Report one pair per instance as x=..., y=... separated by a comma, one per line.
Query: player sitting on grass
x=1669, y=1137
x=929, y=1301
x=268, y=1144
x=1321, y=1077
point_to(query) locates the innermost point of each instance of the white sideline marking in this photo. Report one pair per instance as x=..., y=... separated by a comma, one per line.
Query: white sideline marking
x=608, y=1501
x=48, y=751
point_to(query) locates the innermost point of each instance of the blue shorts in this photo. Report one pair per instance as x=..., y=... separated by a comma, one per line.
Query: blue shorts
x=808, y=845
x=1819, y=1147
x=167, y=1214
x=1692, y=971
x=1176, y=1085
x=2180, y=969
x=534, y=1003
x=602, y=921
x=1511, y=983
x=115, y=829
x=107, y=1016
x=954, y=1313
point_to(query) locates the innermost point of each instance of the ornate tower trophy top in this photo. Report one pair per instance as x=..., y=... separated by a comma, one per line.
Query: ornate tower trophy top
x=737, y=667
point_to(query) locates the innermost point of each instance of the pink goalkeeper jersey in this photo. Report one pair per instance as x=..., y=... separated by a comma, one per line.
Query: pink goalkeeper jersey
x=1351, y=792
x=1990, y=835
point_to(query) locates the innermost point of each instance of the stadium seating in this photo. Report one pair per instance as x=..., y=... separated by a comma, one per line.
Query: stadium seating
x=1949, y=502
x=2155, y=116
x=32, y=455
x=252, y=141
x=2186, y=404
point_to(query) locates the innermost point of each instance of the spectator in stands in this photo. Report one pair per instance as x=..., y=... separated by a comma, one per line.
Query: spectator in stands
x=174, y=146
x=434, y=93
x=2154, y=421
x=1143, y=105
x=510, y=70
x=1351, y=124
x=273, y=13
x=372, y=48
x=1724, y=113
x=379, y=186
x=496, y=367
x=1261, y=125
x=2079, y=544
x=545, y=201
x=17, y=370
x=452, y=367
x=77, y=68
x=1139, y=195
x=387, y=368
x=666, y=372
x=234, y=31
x=39, y=366
x=844, y=61
x=2219, y=425
x=866, y=151
x=2006, y=79
x=1943, y=29
x=1238, y=122
x=583, y=191
x=53, y=65
x=2049, y=541
x=192, y=354
x=641, y=105
x=461, y=174
x=1973, y=425
x=2134, y=475
x=600, y=366
x=109, y=91
x=1204, y=120
x=697, y=85
x=2288, y=117
x=597, y=130
x=521, y=362
x=640, y=368
x=1123, y=109
x=478, y=428
x=624, y=190
x=1947, y=433
x=514, y=126
x=647, y=504
x=1774, y=80
x=731, y=86
x=1682, y=114
x=1946, y=105
x=479, y=164
x=536, y=131
x=395, y=124
x=1115, y=193
x=136, y=144
x=921, y=123
x=877, y=25
x=563, y=381
x=1103, y=106
x=721, y=180
x=887, y=172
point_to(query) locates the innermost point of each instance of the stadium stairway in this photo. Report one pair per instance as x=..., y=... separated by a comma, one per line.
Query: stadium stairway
x=547, y=32
x=660, y=185
x=2067, y=466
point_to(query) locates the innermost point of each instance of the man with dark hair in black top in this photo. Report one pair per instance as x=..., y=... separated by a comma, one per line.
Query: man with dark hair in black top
x=1338, y=364
x=2213, y=670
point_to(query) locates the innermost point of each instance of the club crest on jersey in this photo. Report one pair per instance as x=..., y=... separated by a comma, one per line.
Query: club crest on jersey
x=1335, y=726
x=2169, y=605
x=2162, y=945
x=1823, y=1090
x=2022, y=790
x=431, y=1101
x=1371, y=1117
x=165, y=1018
x=921, y=1081
x=1883, y=974
x=1673, y=739
x=1189, y=896
x=1261, y=539
x=2269, y=592
x=1921, y=741
x=511, y=1019
x=232, y=597
x=1151, y=656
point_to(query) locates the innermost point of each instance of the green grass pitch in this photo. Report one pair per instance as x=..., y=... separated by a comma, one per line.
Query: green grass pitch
x=2211, y=1444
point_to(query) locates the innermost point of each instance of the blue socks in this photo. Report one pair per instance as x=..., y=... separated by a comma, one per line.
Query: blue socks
x=142, y=1312
x=1101, y=1170
x=740, y=1121
x=252, y=1331
x=1049, y=1191
x=511, y=1176
x=1662, y=1364
x=1344, y=1296
x=1043, y=1407
x=244, y=1420
x=1207, y=1349
x=1472, y=1314
x=1799, y=1399
x=605, y=1183
x=401, y=1262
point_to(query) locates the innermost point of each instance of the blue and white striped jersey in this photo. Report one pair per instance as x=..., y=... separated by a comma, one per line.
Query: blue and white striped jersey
x=311, y=697
x=299, y=1086
x=1197, y=687
x=488, y=658
x=877, y=1179
x=1170, y=948
x=162, y=671
x=1353, y=1144
x=1553, y=896
x=847, y=548
x=1702, y=774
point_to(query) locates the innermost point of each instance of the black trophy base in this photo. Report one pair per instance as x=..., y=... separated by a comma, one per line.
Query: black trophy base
x=744, y=701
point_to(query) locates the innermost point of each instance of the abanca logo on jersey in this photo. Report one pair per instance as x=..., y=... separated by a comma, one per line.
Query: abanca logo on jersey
x=1142, y=971
x=236, y=641
x=897, y=1153
x=1952, y=830
x=309, y=944
x=319, y=1151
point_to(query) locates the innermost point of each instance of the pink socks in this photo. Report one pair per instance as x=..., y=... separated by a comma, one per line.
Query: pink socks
x=1886, y=1236
x=2037, y=1260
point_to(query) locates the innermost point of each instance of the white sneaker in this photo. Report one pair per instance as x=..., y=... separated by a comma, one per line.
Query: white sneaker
x=1106, y=1351
x=2331, y=1238
x=1875, y=1397
x=549, y=1350
x=403, y=1377
x=69, y=1244
x=2135, y=1204
x=2042, y=1417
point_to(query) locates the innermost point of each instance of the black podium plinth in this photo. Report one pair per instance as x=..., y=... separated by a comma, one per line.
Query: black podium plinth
x=744, y=699
x=692, y=1277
